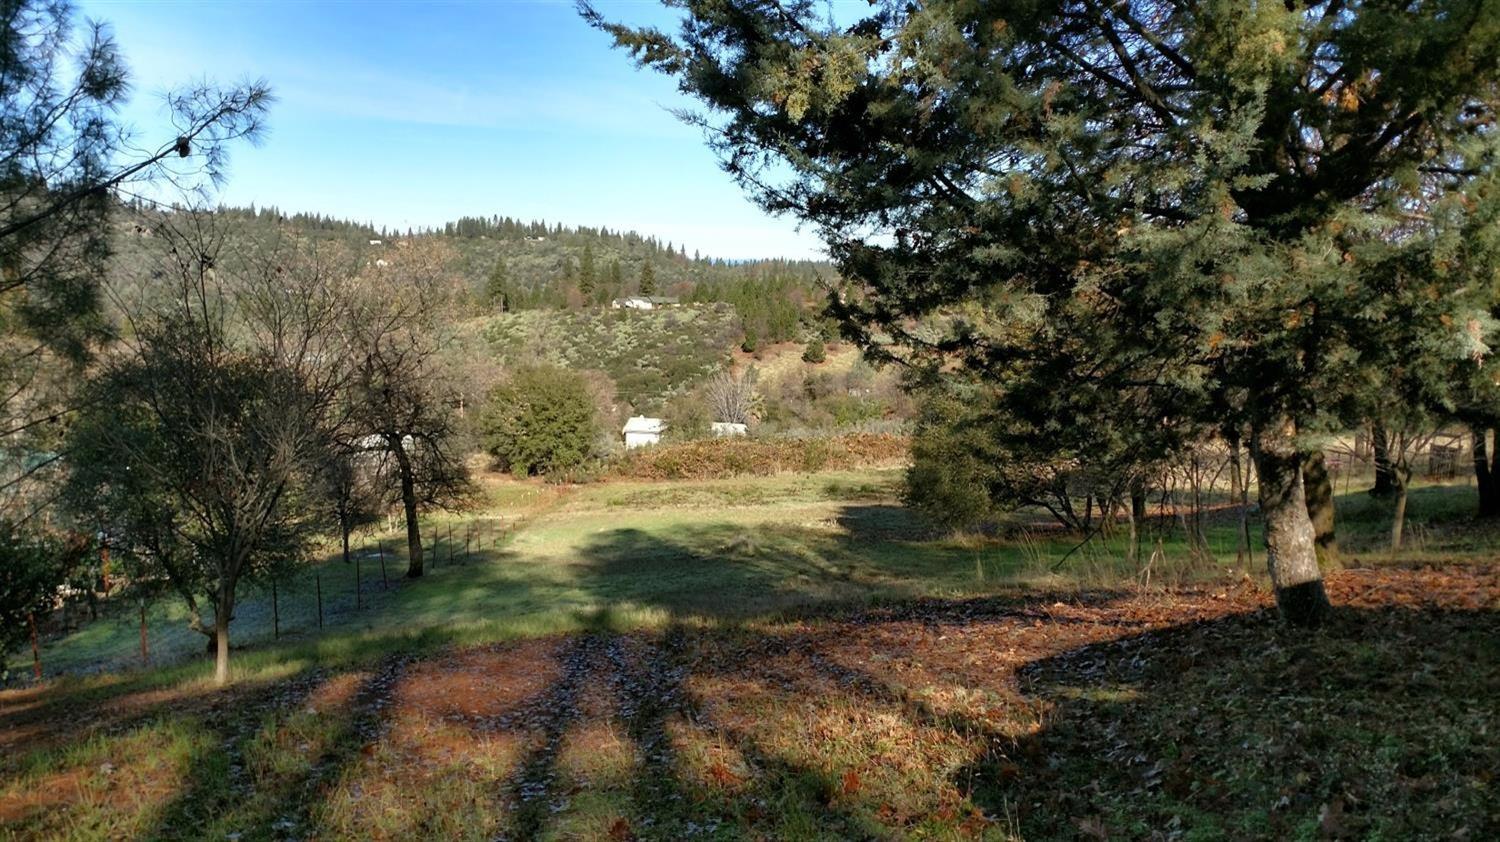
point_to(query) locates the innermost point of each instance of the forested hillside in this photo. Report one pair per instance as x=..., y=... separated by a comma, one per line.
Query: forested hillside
x=650, y=356
x=541, y=293
x=510, y=265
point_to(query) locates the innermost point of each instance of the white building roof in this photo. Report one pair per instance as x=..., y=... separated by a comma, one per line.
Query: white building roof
x=642, y=424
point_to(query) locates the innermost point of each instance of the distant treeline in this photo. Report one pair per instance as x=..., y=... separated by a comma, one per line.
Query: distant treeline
x=514, y=265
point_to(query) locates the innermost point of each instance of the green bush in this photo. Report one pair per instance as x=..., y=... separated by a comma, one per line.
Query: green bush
x=542, y=420
x=951, y=477
x=972, y=460
x=688, y=417
x=814, y=352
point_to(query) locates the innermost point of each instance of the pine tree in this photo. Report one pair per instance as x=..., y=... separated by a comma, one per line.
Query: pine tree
x=648, y=278
x=588, y=281
x=1186, y=209
x=496, y=295
x=814, y=352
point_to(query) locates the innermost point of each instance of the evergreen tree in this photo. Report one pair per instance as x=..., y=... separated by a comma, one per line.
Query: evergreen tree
x=588, y=281
x=540, y=421
x=1181, y=203
x=496, y=294
x=814, y=352
x=648, y=278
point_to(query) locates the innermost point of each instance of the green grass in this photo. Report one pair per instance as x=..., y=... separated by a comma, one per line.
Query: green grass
x=545, y=559
x=790, y=657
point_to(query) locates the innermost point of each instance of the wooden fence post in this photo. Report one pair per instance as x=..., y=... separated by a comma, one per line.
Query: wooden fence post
x=358, y=596
x=145, y=652
x=384, y=584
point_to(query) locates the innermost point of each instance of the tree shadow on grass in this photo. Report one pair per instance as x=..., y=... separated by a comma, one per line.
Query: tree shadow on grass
x=716, y=571
x=883, y=522
x=1071, y=715
x=1374, y=726
x=533, y=790
x=646, y=675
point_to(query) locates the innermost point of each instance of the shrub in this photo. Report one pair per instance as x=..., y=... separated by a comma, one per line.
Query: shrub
x=971, y=460
x=751, y=342
x=540, y=421
x=814, y=352
x=950, y=477
x=688, y=417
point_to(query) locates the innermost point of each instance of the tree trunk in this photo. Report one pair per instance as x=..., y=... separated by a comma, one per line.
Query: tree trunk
x=1291, y=553
x=409, y=504
x=1320, y=508
x=1237, y=499
x=1398, y=516
x=1380, y=445
x=1135, y=510
x=1486, y=472
x=221, y=642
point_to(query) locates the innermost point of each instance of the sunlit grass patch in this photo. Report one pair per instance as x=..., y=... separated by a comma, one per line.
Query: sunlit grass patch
x=102, y=787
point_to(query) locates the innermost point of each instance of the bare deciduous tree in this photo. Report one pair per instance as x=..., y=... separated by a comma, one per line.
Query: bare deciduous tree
x=200, y=441
x=400, y=394
x=732, y=397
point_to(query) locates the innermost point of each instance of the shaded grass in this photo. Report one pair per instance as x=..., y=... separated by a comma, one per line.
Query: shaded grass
x=794, y=657
x=1061, y=715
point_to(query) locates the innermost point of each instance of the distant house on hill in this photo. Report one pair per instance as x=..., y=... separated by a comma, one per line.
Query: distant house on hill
x=643, y=302
x=727, y=429
x=641, y=431
x=633, y=302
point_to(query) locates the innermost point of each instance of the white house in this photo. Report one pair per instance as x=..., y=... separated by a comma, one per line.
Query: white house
x=634, y=302
x=644, y=302
x=375, y=443
x=727, y=429
x=641, y=431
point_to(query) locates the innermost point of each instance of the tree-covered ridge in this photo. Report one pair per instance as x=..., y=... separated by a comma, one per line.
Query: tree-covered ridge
x=510, y=264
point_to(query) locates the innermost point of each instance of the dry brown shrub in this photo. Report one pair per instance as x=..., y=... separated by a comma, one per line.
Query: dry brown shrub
x=731, y=457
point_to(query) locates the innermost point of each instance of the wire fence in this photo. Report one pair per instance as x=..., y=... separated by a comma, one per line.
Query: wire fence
x=324, y=594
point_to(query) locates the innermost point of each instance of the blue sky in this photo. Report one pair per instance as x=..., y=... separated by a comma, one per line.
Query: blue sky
x=410, y=114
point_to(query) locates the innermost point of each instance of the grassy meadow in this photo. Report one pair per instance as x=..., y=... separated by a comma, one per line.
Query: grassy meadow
x=786, y=657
